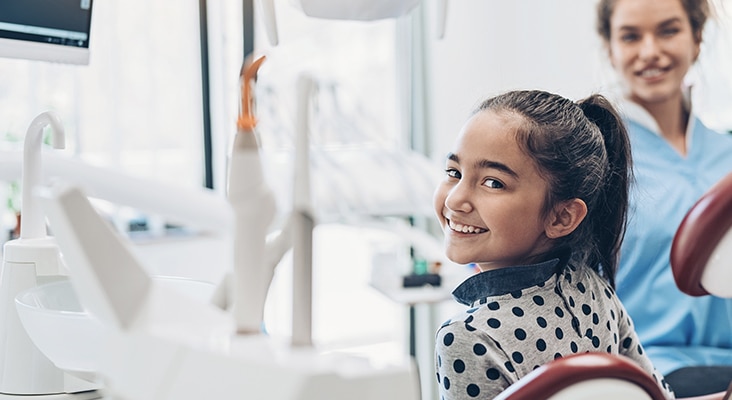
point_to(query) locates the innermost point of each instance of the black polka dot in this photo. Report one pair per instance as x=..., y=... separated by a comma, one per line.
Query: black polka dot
x=559, y=312
x=483, y=300
x=473, y=390
x=494, y=323
x=469, y=328
x=589, y=333
x=609, y=349
x=541, y=322
x=492, y=374
x=573, y=347
x=596, y=342
x=571, y=301
x=516, y=294
x=541, y=345
x=437, y=375
x=575, y=323
x=581, y=287
x=586, y=309
x=608, y=326
x=557, y=355
x=592, y=294
x=538, y=300
x=627, y=342
x=517, y=357
x=520, y=334
x=446, y=383
x=559, y=333
x=479, y=349
x=595, y=318
x=458, y=366
x=608, y=294
x=494, y=306
x=517, y=311
x=615, y=338
x=509, y=366
x=612, y=315
x=568, y=277
x=640, y=349
x=448, y=339
x=469, y=319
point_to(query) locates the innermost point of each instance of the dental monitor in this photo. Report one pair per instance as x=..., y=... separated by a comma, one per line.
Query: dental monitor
x=46, y=30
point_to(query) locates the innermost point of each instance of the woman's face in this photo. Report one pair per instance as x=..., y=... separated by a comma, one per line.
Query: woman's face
x=490, y=203
x=652, y=47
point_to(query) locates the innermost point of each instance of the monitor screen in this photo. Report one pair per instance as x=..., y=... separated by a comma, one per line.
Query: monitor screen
x=46, y=30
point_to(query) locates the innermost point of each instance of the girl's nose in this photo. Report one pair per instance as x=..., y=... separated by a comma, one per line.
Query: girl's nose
x=458, y=198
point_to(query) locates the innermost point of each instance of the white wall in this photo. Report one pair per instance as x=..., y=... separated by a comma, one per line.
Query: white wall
x=494, y=45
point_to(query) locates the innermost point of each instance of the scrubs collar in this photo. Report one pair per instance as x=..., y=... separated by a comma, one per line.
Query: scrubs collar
x=635, y=112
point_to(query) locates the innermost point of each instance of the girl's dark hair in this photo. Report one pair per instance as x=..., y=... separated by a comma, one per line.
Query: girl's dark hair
x=697, y=10
x=583, y=151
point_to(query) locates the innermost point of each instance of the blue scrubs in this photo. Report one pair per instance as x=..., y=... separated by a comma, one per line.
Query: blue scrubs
x=676, y=330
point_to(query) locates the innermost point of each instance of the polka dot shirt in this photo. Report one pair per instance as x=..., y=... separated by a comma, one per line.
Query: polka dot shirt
x=522, y=317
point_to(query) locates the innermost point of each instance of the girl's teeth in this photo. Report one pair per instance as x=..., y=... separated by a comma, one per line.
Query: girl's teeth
x=465, y=228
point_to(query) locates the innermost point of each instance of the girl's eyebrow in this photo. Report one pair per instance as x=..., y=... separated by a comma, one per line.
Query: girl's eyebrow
x=486, y=164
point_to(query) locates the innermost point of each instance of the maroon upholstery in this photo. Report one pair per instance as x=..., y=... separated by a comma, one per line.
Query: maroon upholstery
x=562, y=373
x=704, y=225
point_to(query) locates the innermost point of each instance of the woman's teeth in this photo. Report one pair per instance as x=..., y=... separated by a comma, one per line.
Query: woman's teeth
x=465, y=228
x=651, y=73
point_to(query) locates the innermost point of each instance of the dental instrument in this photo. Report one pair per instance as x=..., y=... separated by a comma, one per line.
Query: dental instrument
x=31, y=260
x=253, y=204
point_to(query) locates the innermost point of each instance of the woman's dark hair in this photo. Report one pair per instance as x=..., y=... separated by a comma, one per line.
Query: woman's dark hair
x=583, y=150
x=697, y=10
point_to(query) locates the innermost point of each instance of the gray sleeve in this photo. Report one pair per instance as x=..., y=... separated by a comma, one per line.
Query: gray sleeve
x=631, y=347
x=470, y=364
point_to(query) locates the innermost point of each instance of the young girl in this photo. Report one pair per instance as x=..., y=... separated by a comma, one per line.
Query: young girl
x=536, y=194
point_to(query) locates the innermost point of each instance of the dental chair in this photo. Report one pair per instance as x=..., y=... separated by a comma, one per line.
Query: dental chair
x=701, y=252
x=592, y=376
x=596, y=376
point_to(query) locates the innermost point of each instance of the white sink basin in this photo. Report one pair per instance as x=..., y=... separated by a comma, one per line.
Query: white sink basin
x=69, y=336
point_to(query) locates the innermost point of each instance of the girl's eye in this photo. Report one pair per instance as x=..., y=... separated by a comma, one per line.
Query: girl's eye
x=453, y=173
x=493, y=184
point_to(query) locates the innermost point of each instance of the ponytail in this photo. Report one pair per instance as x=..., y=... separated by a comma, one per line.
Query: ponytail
x=609, y=216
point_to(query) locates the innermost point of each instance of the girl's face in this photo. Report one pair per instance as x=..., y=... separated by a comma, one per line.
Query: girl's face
x=652, y=46
x=490, y=204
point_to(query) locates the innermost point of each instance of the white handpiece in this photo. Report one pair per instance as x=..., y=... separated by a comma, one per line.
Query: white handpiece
x=253, y=204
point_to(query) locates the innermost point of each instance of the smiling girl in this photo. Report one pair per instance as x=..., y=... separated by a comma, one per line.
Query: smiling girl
x=536, y=194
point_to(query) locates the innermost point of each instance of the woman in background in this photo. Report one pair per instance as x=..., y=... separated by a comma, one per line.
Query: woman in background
x=651, y=45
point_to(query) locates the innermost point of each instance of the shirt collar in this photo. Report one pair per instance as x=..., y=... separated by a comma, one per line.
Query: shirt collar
x=502, y=281
x=635, y=112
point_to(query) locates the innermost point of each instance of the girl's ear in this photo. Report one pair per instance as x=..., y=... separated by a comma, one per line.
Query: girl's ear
x=565, y=218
